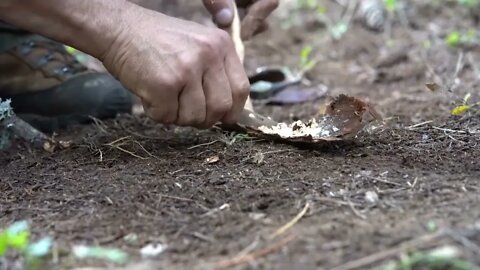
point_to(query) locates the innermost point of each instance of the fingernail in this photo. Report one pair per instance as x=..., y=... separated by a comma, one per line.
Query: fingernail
x=224, y=17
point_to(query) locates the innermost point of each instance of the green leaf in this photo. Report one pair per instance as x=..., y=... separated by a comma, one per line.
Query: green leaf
x=390, y=5
x=17, y=235
x=460, y=109
x=110, y=254
x=305, y=54
x=309, y=65
x=40, y=248
x=3, y=242
x=453, y=39
x=321, y=9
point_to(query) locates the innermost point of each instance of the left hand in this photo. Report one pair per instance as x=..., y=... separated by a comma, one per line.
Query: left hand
x=254, y=21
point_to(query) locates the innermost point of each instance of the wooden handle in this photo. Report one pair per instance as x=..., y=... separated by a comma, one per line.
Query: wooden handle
x=235, y=32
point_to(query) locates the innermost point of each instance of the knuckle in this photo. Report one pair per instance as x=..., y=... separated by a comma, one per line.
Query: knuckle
x=211, y=44
x=223, y=37
x=242, y=89
x=218, y=109
x=167, y=117
x=186, y=66
x=274, y=3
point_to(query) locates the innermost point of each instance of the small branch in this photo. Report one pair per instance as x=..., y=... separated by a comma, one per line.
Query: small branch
x=292, y=222
x=256, y=254
x=24, y=130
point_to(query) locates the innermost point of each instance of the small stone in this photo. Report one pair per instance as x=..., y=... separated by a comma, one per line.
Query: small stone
x=371, y=196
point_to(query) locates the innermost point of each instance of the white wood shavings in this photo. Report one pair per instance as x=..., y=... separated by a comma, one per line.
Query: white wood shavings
x=297, y=129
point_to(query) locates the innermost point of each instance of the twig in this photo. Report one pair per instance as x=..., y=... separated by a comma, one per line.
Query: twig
x=292, y=222
x=203, y=144
x=464, y=241
x=24, y=130
x=355, y=211
x=420, y=124
x=449, y=130
x=116, y=144
x=383, y=181
x=145, y=150
x=177, y=198
x=362, y=263
x=256, y=254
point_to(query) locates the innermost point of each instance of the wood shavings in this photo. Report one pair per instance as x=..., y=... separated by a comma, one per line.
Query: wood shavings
x=344, y=117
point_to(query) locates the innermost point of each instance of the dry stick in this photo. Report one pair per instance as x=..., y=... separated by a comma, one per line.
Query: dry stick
x=235, y=32
x=256, y=254
x=30, y=134
x=292, y=222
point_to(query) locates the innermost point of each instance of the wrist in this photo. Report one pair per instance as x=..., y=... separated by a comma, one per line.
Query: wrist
x=99, y=30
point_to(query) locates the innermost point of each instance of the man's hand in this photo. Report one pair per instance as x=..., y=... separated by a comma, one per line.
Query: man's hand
x=185, y=73
x=256, y=14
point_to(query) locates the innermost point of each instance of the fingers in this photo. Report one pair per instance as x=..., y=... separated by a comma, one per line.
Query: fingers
x=239, y=85
x=221, y=10
x=218, y=95
x=191, y=105
x=162, y=113
x=256, y=16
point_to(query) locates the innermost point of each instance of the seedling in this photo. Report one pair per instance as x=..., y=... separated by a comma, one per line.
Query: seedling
x=17, y=238
x=446, y=257
x=457, y=38
x=390, y=5
x=464, y=106
x=306, y=61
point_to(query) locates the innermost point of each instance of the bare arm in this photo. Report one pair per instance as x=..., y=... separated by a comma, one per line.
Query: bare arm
x=185, y=73
x=90, y=26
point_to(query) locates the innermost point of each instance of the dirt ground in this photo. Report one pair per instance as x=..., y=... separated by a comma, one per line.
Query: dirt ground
x=422, y=163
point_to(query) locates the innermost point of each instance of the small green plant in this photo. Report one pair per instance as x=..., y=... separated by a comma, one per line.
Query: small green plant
x=306, y=61
x=464, y=106
x=457, y=38
x=446, y=257
x=468, y=3
x=16, y=238
x=390, y=5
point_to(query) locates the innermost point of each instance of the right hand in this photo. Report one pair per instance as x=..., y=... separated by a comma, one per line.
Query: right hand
x=185, y=73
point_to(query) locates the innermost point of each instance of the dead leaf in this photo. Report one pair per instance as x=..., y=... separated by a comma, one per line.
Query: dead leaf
x=212, y=159
x=433, y=86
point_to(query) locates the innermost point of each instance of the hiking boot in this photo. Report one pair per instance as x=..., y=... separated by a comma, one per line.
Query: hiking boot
x=50, y=89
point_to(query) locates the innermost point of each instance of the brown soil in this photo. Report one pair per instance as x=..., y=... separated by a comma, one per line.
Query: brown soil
x=422, y=163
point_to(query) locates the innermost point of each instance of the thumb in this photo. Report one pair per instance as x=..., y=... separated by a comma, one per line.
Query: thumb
x=221, y=10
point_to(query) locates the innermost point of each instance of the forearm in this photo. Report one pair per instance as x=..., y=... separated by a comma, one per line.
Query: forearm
x=88, y=25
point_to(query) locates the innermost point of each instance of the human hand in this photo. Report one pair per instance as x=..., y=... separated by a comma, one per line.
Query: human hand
x=254, y=21
x=185, y=73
